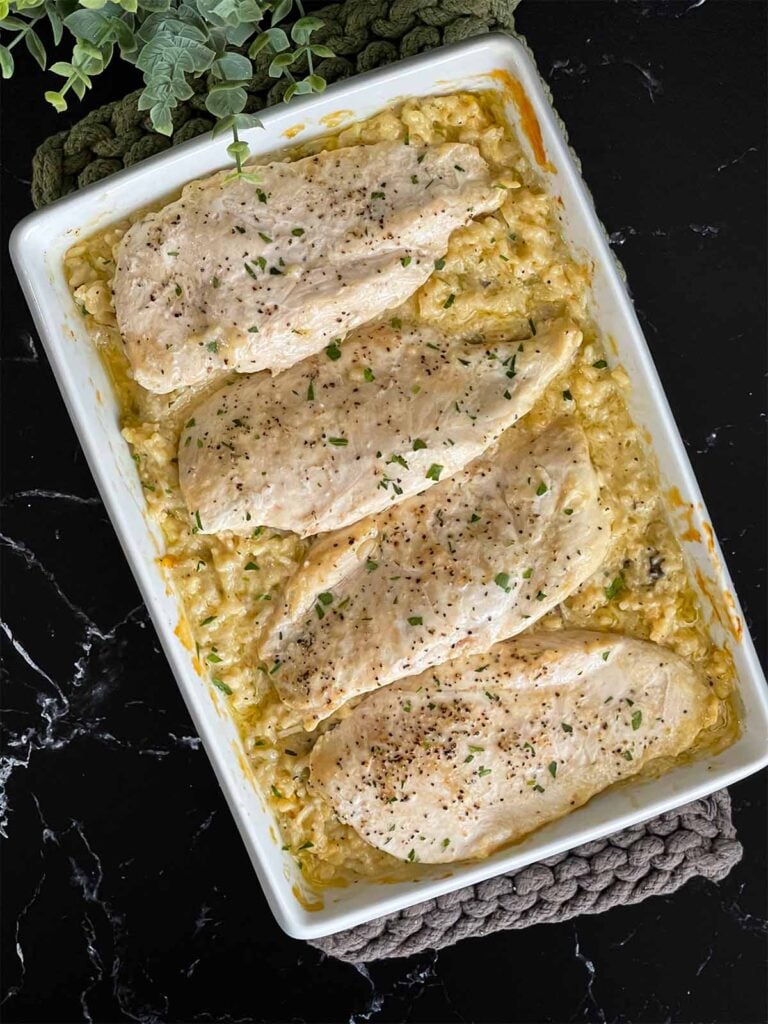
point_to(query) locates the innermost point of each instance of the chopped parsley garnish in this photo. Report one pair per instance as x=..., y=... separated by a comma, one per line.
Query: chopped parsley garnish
x=418, y=444
x=216, y=282
x=189, y=423
x=396, y=323
x=527, y=574
x=537, y=788
x=239, y=230
x=449, y=301
x=251, y=567
x=263, y=237
x=377, y=195
x=197, y=520
x=606, y=655
x=415, y=620
x=481, y=771
x=253, y=329
x=552, y=768
x=627, y=755
x=615, y=587
x=261, y=195
x=311, y=391
x=414, y=179
x=637, y=718
x=412, y=856
x=262, y=262
x=445, y=843
x=368, y=374
x=208, y=621
x=370, y=565
x=567, y=511
x=221, y=685
x=399, y=460
x=177, y=289
x=325, y=598
x=333, y=351
x=213, y=658
x=276, y=792
x=476, y=750
x=258, y=531
x=249, y=270
x=212, y=346
x=567, y=395
x=600, y=364
x=566, y=727
x=338, y=442
x=501, y=579
x=474, y=518
x=439, y=264
x=540, y=596
x=308, y=845
x=434, y=471
x=405, y=260
x=297, y=232
x=529, y=746
x=541, y=489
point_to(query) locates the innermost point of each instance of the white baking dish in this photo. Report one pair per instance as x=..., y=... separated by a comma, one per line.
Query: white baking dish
x=38, y=246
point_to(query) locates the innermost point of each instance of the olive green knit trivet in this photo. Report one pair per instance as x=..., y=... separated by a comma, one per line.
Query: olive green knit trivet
x=364, y=34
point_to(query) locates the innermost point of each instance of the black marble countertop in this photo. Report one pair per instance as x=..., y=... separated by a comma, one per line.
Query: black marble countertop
x=127, y=893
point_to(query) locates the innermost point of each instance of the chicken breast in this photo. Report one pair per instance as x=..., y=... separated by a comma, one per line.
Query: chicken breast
x=331, y=441
x=244, y=276
x=455, y=763
x=476, y=559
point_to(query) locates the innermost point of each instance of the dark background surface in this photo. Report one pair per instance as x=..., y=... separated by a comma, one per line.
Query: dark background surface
x=127, y=893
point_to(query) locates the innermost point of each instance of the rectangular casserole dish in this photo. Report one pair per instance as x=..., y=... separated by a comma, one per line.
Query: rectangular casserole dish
x=38, y=246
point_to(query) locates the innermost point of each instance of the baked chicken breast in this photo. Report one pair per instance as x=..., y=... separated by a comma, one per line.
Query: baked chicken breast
x=243, y=276
x=330, y=441
x=472, y=561
x=458, y=761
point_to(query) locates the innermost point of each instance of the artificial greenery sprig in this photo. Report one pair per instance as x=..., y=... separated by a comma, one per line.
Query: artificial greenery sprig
x=170, y=42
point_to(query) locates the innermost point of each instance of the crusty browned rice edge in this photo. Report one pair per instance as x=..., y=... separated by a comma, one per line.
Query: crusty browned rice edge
x=510, y=264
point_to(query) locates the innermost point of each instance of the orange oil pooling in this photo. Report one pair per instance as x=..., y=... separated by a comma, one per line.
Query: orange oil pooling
x=293, y=131
x=710, y=535
x=334, y=119
x=529, y=123
x=184, y=633
x=737, y=627
x=305, y=901
x=676, y=500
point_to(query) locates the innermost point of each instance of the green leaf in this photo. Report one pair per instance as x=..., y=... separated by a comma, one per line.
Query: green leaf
x=6, y=62
x=316, y=83
x=274, y=38
x=320, y=50
x=226, y=101
x=92, y=26
x=233, y=67
x=61, y=67
x=56, y=100
x=11, y=23
x=282, y=10
x=280, y=63
x=303, y=29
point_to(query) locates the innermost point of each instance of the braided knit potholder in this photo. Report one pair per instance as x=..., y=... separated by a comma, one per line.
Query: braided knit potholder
x=651, y=859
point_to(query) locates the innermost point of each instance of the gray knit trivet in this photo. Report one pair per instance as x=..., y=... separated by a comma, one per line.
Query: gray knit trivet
x=651, y=859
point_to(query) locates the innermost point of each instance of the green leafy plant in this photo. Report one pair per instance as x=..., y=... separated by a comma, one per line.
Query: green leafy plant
x=171, y=42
